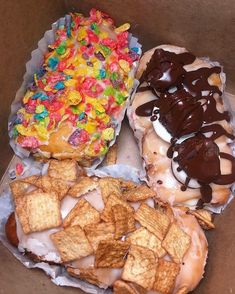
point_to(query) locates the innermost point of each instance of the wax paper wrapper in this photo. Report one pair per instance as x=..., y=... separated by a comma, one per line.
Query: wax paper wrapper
x=33, y=66
x=57, y=273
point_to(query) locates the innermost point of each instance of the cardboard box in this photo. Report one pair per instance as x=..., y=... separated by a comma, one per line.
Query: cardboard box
x=205, y=27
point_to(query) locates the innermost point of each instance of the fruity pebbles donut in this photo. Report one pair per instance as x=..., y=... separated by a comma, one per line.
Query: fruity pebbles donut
x=77, y=99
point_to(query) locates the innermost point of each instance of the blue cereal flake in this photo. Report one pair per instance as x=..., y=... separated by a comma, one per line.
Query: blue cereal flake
x=36, y=95
x=68, y=77
x=42, y=115
x=135, y=49
x=44, y=97
x=40, y=95
x=59, y=86
x=102, y=73
x=53, y=62
x=81, y=115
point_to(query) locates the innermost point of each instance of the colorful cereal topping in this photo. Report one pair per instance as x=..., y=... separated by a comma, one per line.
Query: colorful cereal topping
x=85, y=80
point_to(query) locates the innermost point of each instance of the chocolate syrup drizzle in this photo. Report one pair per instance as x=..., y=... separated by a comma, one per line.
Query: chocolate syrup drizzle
x=183, y=108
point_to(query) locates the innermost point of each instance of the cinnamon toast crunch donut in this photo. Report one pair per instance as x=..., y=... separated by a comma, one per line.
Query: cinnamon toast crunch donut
x=111, y=233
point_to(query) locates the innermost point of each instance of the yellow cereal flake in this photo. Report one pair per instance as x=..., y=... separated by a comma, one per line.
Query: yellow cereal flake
x=48, y=88
x=22, y=130
x=103, y=35
x=103, y=101
x=129, y=82
x=81, y=107
x=124, y=65
x=99, y=107
x=105, y=118
x=123, y=28
x=81, y=71
x=74, y=97
x=27, y=96
x=91, y=127
x=81, y=33
x=108, y=134
x=42, y=132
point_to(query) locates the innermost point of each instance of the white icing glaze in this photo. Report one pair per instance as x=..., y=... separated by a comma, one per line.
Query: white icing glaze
x=67, y=204
x=150, y=202
x=85, y=262
x=38, y=243
x=106, y=276
x=95, y=199
x=136, y=205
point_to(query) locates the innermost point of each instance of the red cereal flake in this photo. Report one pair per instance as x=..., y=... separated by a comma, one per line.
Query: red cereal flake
x=71, y=66
x=29, y=142
x=55, y=116
x=40, y=84
x=19, y=169
x=109, y=43
x=125, y=57
x=90, y=51
x=92, y=37
x=114, y=66
x=73, y=118
x=88, y=83
x=122, y=40
x=55, y=106
x=88, y=107
x=62, y=65
x=46, y=103
x=84, y=136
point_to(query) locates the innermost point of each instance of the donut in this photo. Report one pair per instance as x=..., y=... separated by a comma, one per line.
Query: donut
x=78, y=96
x=182, y=128
x=112, y=212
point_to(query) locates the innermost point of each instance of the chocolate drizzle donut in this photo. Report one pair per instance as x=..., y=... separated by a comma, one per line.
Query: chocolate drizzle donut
x=186, y=106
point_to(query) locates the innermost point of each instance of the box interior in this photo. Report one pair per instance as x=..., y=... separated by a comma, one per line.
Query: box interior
x=204, y=27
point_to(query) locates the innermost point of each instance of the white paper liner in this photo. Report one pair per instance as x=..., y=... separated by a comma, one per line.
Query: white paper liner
x=33, y=65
